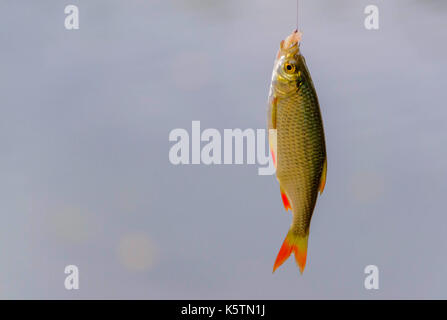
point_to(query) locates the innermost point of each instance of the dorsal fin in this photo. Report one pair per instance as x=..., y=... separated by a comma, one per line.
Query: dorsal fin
x=323, y=177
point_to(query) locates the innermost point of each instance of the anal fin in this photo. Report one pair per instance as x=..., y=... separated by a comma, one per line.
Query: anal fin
x=285, y=200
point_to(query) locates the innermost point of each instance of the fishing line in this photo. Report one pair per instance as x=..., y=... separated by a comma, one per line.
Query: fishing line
x=297, y=13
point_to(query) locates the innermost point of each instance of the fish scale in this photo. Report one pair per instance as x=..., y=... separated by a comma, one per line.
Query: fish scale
x=299, y=126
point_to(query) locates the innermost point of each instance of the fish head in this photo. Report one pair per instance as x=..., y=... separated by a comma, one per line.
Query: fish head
x=289, y=71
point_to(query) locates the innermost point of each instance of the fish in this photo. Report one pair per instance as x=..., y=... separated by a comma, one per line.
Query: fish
x=297, y=144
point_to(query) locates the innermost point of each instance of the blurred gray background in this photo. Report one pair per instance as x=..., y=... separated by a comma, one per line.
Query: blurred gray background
x=85, y=177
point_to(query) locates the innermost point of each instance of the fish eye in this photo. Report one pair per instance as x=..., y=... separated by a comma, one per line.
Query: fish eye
x=289, y=68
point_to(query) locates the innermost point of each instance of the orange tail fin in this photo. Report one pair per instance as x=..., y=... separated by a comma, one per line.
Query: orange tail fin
x=297, y=245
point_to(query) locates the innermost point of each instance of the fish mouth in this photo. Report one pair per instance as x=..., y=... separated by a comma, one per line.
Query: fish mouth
x=291, y=43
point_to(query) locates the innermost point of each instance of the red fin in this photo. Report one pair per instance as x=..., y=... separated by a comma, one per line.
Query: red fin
x=297, y=245
x=283, y=254
x=300, y=256
x=323, y=177
x=272, y=143
x=274, y=158
x=285, y=200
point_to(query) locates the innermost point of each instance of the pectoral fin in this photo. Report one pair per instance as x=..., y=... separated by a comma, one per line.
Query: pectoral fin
x=273, y=101
x=272, y=144
x=272, y=127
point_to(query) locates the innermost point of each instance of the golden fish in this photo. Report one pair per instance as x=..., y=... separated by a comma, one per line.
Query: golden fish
x=296, y=139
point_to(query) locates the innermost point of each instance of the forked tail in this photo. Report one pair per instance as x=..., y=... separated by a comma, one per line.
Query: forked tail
x=296, y=244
